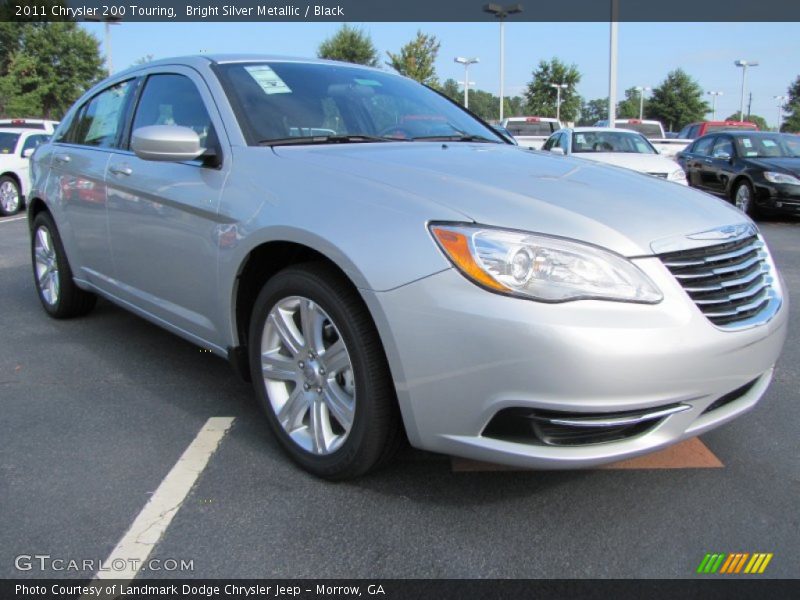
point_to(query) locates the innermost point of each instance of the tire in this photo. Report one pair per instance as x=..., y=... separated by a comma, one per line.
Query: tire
x=331, y=403
x=52, y=275
x=744, y=199
x=10, y=196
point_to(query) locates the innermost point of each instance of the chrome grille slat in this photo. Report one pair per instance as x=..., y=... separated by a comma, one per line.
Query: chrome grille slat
x=730, y=283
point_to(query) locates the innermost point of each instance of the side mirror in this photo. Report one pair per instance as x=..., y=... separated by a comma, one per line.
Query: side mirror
x=167, y=143
x=558, y=151
x=28, y=152
x=723, y=156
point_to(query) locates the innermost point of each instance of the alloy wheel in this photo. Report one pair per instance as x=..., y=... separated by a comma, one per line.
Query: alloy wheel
x=9, y=197
x=308, y=375
x=743, y=198
x=46, y=265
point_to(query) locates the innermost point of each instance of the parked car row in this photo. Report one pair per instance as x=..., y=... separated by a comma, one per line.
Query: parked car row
x=410, y=274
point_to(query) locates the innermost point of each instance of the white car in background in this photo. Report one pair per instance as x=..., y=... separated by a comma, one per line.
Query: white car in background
x=619, y=147
x=16, y=148
x=40, y=124
x=531, y=132
x=654, y=132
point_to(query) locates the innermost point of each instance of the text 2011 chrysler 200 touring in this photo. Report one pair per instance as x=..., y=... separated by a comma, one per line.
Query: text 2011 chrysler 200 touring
x=381, y=263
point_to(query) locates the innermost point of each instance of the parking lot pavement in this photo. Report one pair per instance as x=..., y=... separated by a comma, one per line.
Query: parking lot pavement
x=95, y=412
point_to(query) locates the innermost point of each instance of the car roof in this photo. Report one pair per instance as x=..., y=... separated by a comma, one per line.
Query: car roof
x=595, y=129
x=742, y=132
x=22, y=130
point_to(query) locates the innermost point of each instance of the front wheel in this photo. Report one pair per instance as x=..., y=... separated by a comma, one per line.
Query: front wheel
x=10, y=196
x=743, y=198
x=320, y=373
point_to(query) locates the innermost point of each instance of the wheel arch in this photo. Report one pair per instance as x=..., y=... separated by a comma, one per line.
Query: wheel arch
x=735, y=184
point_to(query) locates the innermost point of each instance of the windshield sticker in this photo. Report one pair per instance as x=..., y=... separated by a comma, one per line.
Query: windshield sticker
x=268, y=80
x=370, y=82
x=751, y=153
x=747, y=143
x=768, y=143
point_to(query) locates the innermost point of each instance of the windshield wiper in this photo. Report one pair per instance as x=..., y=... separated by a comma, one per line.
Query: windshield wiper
x=456, y=138
x=327, y=139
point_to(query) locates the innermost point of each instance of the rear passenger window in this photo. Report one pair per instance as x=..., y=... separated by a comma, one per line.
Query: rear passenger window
x=97, y=123
x=171, y=99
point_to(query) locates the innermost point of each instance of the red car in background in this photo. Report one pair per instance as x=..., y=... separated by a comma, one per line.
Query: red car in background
x=696, y=130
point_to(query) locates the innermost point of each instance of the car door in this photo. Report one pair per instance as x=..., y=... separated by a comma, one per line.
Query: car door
x=77, y=181
x=721, y=166
x=695, y=159
x=163, y=221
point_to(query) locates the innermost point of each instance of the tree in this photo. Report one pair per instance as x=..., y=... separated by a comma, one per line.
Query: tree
x=761, y=122
x=54, y=63
x=541, y=97
x=629, y=107
x=593, y=111
x=417, y=59
x=349, y=44
x=791, y=122
x=450, y=89
x=677, y=101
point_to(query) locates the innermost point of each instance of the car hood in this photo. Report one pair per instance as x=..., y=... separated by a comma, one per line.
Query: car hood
x=507, y=186
x=644, y=163
x=785, y=164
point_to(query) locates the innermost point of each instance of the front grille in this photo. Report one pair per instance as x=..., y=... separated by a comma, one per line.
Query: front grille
x=729, y=282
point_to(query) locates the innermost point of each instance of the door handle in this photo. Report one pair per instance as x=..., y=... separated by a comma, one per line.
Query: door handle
x=63, y=158
x=121, y=170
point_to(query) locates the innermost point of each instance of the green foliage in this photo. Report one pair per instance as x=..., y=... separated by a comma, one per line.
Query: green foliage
x=791, y=122
x=349, y=44
x=541, y=98
x=761, y=122
x=417, y=59
x=593, y=111
x=51, y=65
x=450, y=89
x=629, y=107
x=677, y=101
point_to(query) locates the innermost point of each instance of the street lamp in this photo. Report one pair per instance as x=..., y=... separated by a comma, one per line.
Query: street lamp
x=612, y=63
x=501, y=12
x=107, y=22
x=714, y=104
x=466, y=62
x=744, y=64
x=642, y=89
x=559, y=87
x=781, y=100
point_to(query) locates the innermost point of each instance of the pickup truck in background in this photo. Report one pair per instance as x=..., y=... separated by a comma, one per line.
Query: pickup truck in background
x=654, y=132
x=695, y=130
x=531, y=132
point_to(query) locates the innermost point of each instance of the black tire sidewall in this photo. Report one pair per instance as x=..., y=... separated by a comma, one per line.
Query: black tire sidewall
x=751, y=209
x=324, y=292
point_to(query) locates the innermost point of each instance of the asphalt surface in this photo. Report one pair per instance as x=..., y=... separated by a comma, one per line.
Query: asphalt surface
x=94, y=412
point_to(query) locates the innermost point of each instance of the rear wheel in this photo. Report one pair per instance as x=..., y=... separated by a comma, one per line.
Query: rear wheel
x=10, y=197
x=320, y=373
x=59, y=295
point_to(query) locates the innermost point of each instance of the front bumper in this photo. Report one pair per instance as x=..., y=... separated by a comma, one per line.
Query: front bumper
x=778, y=197
x=460, y=354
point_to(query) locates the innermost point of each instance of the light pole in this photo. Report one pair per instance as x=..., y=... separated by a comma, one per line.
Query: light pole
x=466, y=62
x=107, y=22
x=744, y=64
x=559, y=87
x=612, y=64
x=501, y=12
x=781, y=100
x=642, y=89
x=714, y=104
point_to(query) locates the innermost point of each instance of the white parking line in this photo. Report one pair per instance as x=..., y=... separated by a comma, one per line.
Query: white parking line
x=12, y=219
x=136, y=545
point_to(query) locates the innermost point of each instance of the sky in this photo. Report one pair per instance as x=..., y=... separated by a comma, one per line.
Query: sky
x=647, y=51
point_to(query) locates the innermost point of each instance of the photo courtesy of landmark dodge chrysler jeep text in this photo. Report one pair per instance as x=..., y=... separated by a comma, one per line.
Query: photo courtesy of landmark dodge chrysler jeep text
x=382, y=264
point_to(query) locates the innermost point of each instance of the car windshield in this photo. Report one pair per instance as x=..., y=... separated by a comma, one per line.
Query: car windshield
x=8, y=141
x=285, y=102
x=649, y=130
x=531, y=128
x=768, y=146
x=610, y=141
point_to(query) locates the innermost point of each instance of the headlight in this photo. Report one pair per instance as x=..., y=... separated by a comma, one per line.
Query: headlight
x=678, y=175
x=541, y=267
x=774, y=177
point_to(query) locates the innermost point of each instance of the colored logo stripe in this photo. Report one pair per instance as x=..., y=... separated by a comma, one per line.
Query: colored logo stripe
x=734, y=562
